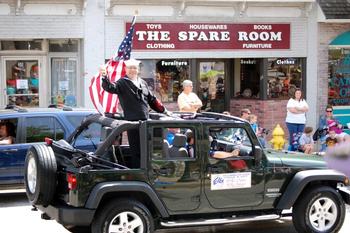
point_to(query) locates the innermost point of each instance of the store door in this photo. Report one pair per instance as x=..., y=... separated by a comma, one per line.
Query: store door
x=21, y=81
x=64, y=81
x=212, y=85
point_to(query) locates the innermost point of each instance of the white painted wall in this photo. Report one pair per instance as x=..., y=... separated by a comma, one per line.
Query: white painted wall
x=94, y=28
x=29, y=27
x=312, y=68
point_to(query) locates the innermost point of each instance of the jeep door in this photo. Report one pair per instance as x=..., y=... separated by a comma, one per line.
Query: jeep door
x=235, y=181
x=175, y=163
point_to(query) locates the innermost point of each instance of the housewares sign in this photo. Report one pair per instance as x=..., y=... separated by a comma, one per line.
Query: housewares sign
x=190, y=36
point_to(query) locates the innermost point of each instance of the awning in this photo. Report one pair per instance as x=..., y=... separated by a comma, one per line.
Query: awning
x=342, y=39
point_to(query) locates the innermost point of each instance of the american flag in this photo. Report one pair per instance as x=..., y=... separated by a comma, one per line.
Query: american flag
x=103, y=101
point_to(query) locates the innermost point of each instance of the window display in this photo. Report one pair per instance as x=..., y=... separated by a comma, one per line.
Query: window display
x=212, y=86
x=249, y=78
x=339, y=76
x=22, y=82
x=284, y=76
x=21, y=45
x=63, y=84
x=165, y=77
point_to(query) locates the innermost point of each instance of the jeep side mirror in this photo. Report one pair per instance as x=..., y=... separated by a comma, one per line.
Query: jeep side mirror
x=258, y=155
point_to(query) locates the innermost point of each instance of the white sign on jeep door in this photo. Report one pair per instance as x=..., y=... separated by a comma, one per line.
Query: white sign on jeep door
x=237, y=180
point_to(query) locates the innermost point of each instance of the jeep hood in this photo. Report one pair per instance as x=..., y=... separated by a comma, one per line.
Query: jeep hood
x=293, y=159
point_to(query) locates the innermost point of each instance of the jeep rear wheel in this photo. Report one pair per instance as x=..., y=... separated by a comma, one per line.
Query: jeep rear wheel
x=40, y=174
x=123, y=216
x=321, y=209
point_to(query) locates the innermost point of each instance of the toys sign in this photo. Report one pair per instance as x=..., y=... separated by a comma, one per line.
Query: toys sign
x=189, y=36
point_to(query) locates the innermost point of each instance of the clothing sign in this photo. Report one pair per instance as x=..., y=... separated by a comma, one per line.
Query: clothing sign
x=189, y=36
x=236, y=180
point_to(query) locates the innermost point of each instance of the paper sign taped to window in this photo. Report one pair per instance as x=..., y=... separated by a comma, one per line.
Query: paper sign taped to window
x=237, y=180
x=22, y=84
x=63, y=85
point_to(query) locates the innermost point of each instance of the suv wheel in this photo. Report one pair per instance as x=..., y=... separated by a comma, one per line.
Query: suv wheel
x=321, y=209
x=123, y=216
x=40, y=174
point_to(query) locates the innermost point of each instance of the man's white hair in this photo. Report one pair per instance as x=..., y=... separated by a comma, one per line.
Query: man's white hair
x=186, y=83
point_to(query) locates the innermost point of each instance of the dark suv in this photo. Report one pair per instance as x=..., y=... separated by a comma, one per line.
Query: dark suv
x=201, y=169
x=31, y=126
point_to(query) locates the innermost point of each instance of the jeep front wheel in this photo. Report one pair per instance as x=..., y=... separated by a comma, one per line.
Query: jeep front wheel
x=123, y=216
x=320, y=209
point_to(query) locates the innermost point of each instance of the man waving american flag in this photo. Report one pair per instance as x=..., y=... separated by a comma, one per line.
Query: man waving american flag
x=103, y=101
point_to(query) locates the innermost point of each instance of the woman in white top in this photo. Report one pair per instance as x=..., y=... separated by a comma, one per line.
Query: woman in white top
x=187, y=100
x=295, y=120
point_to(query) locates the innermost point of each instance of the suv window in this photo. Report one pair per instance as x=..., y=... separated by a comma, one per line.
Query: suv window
x=75, y=120
x=37, y=128
x=90, y=137
x=173, y=143
x=11, y=127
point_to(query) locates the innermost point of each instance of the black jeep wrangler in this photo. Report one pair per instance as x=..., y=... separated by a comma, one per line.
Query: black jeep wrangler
x=195, y=170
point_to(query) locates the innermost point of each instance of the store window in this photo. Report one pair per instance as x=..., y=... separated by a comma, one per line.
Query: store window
x=21, y=45
x=339, y=77
x=63, y=81
x=64, y=71
x=212, y=85
x=68, y=45
x=165, y=77
x=22, y=82
x=249, y=78
x=284, y=76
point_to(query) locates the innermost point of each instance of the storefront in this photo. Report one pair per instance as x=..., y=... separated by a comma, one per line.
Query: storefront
x=339, y=71
x=237, y=53
x=334, y=58
x=25, y=65
x=40, y=53
x=236, y=59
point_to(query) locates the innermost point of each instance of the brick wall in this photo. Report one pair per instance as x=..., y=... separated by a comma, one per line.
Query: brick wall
x=269, y=112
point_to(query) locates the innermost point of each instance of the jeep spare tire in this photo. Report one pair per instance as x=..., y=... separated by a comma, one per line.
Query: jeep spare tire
x=40, y=174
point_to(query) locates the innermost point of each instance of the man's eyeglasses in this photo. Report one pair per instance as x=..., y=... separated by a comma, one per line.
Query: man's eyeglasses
x=329, y=111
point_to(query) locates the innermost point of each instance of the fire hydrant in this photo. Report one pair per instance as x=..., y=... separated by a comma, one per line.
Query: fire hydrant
x=278, y=140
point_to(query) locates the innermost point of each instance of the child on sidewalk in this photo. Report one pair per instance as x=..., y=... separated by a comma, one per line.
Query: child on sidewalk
x=306, y=143
x=331, y=139
x=253, y=120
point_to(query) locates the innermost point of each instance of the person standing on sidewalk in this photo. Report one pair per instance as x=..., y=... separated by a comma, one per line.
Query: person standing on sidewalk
x=187, y=100
x=296, y=118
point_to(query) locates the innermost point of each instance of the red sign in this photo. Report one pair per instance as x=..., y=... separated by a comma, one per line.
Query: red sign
x=189, y=36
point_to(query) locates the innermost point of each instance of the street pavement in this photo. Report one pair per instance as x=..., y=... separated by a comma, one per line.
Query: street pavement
x=16, y=217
